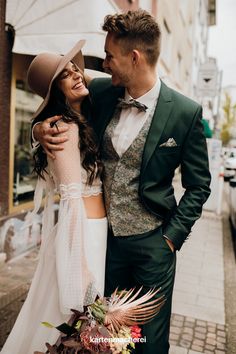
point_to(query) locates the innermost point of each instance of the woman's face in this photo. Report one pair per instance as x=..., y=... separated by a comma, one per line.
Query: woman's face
x=71, y=83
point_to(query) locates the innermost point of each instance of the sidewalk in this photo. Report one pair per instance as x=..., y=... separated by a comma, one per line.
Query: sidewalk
x=198, y=321
x=198, y=312
x=198, y=318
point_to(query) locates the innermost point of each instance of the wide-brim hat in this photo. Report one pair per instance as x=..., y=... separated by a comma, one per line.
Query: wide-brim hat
x=46, y=67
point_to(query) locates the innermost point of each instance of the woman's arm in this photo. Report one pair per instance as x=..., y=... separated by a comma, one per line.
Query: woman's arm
x=74, y=278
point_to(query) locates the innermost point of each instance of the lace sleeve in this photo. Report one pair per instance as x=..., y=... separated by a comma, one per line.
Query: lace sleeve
x=74, y=279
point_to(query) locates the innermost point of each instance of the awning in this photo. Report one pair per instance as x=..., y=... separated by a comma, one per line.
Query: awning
x=56, y=25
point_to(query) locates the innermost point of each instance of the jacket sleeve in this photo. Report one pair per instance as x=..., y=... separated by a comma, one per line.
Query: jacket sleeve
x=196, y=179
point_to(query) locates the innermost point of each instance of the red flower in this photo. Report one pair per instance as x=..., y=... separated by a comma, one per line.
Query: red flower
x=135, y=332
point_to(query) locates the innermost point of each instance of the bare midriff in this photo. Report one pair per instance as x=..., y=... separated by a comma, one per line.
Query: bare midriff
x=94, y=206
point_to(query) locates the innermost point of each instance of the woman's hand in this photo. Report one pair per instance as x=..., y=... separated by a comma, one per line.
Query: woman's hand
x=46, y=133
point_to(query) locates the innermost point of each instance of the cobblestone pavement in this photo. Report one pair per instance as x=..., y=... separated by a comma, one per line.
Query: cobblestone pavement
x=197, y=335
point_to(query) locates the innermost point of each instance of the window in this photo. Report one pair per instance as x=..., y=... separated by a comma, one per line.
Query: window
x=25, y=104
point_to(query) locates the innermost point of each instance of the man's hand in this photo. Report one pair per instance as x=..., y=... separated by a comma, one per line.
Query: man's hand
x=170, y=244
x=47, y=135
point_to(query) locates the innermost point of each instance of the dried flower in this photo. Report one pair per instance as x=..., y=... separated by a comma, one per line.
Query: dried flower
x=109, y=325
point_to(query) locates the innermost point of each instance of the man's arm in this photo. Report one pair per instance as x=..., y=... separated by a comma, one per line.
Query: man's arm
x=195, y=179
x=46, y=134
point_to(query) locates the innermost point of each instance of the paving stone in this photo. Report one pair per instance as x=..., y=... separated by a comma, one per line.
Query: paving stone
x=176, y=323
x=177, y=350
x=221, y=339
x=174, y=336
x=210, y=347
x=190, y=319
x=221, y=327
x=221, y=334
x=198, y=342
x=220, y=346
x=175, y=330
x=201, y=323
x=201, y=329
x=173, y=342
x=178, y=318
x=184, y=343
x=187, y=337
x=197, y=348
x=188, y=330
x=200, y=335
x=211, y=324
x=189, y=324
x=211, y=341
x=211, y=329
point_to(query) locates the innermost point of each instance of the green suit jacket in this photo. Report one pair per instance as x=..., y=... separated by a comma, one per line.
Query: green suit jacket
x=177, y=117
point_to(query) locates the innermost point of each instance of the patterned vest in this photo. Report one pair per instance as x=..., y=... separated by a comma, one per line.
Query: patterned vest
x=126, y=214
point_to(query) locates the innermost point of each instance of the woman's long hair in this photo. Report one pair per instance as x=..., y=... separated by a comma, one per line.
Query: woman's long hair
x=90, y=159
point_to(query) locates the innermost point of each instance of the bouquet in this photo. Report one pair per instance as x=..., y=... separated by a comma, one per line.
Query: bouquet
x=109, y=325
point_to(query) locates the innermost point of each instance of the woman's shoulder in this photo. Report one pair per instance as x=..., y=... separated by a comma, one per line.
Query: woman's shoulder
x=72, y=132
x=69, y=125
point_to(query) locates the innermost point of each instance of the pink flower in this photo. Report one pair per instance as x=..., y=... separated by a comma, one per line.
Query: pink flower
x=135, y=331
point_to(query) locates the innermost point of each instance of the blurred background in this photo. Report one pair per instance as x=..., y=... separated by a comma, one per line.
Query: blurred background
x=197, y=59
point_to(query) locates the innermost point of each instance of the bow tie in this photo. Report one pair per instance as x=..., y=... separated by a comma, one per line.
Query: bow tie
x=131, y=103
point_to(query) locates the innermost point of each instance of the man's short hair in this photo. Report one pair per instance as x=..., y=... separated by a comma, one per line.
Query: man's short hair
x=136, y=30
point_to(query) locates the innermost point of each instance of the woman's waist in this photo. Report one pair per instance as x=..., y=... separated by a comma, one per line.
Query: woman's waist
x=94, y=206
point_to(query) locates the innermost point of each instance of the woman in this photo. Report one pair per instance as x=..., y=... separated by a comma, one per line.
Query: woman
x=71, y=266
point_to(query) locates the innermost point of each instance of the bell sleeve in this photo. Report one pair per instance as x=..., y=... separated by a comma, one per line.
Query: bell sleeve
x=75, y=282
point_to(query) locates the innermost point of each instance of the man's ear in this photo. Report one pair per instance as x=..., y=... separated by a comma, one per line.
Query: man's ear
x=135, y=56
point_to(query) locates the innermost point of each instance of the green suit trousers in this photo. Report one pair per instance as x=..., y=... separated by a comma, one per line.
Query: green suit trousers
x=144, y=260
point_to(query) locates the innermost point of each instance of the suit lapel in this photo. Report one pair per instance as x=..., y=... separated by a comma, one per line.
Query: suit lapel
x=160, y=118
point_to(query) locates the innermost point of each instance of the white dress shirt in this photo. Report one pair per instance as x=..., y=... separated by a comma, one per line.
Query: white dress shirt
x=131, y=120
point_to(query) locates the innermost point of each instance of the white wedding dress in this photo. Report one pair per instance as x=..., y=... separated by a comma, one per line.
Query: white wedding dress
x=71, y=267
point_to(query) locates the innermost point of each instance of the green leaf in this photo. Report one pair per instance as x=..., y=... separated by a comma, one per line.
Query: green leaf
x=47, y=324
x=66, y=329
x=78, y=325
x=132, y=345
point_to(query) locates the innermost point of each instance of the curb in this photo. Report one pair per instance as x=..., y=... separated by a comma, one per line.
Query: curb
x=230, y=285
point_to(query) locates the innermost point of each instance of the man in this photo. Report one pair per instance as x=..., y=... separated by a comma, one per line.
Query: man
x=143, y=140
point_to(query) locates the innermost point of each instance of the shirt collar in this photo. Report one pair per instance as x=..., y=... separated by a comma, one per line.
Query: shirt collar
x=149, y=97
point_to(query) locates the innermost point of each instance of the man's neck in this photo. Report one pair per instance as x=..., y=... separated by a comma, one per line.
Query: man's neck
x=139, y=89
